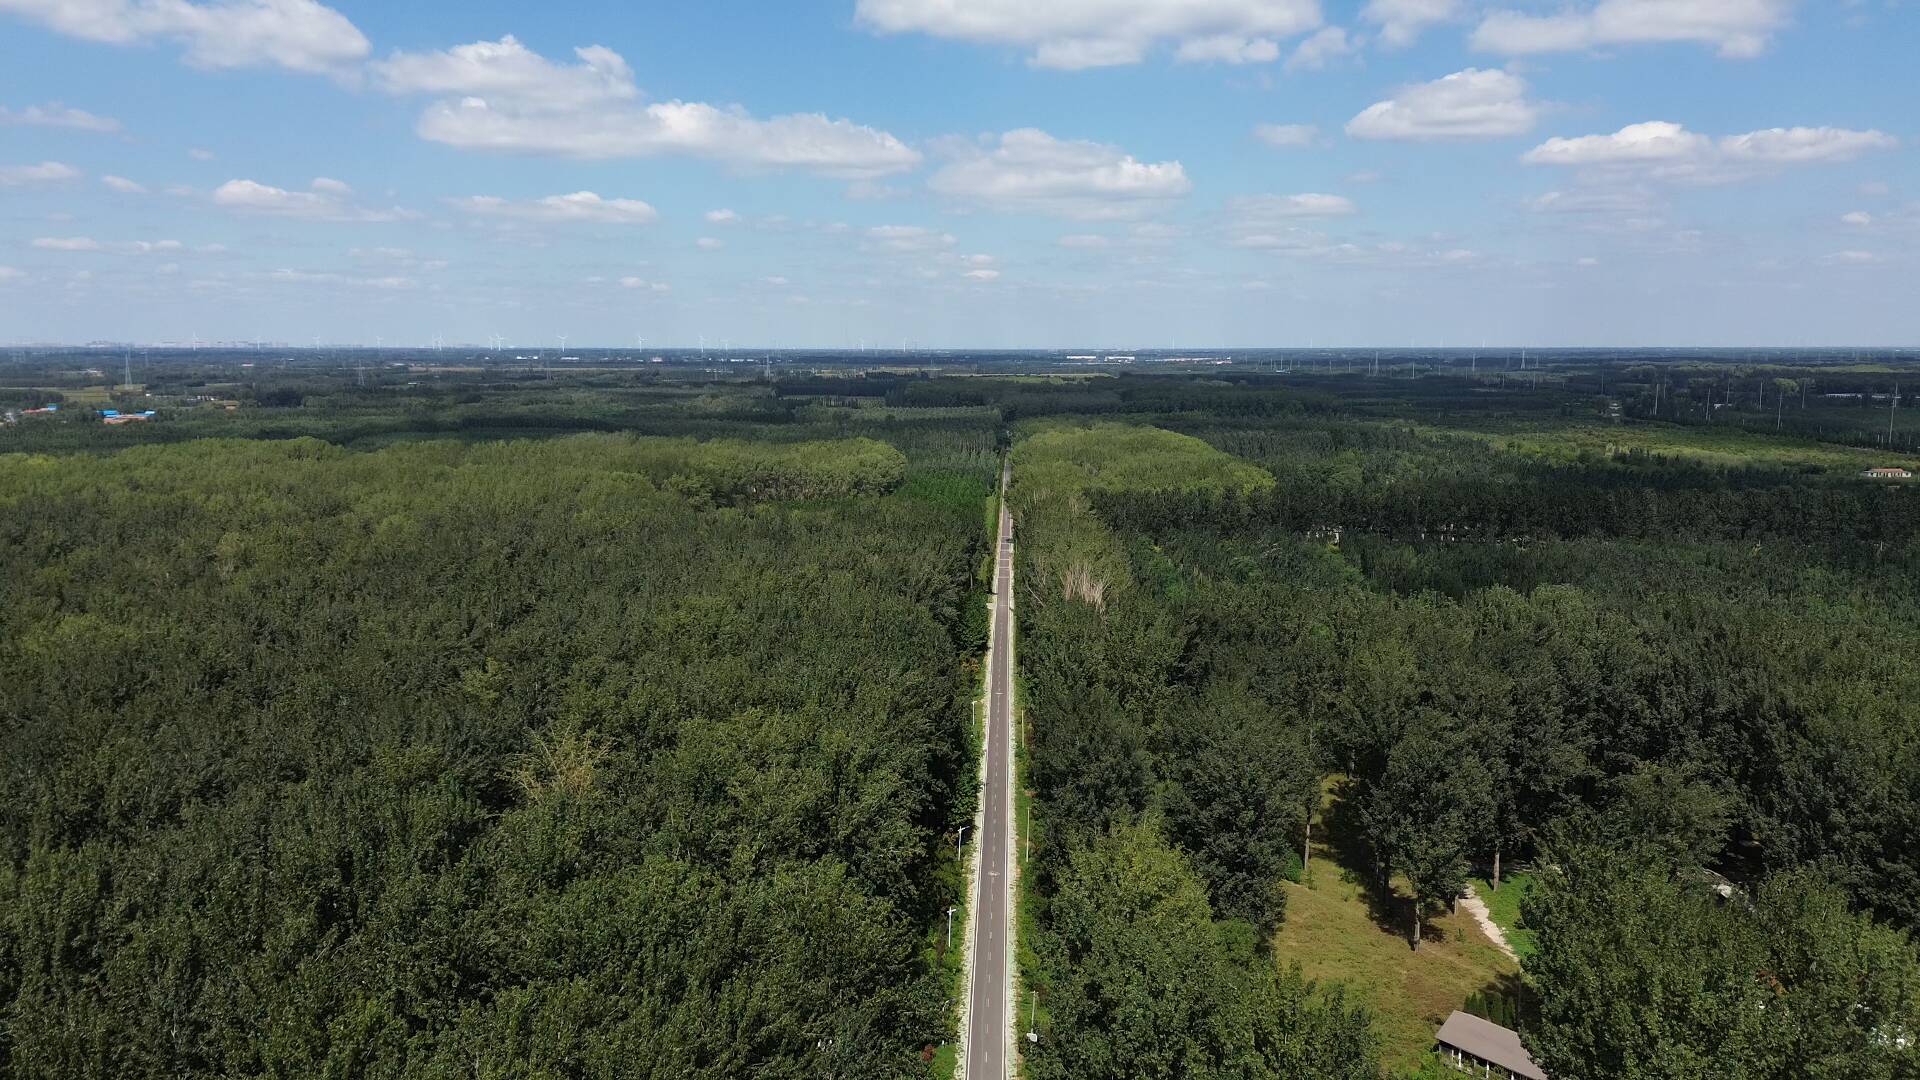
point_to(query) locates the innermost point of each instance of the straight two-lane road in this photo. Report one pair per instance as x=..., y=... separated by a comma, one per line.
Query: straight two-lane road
x=987, y=1025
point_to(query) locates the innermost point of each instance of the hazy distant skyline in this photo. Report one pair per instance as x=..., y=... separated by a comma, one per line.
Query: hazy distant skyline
x=1129, y=173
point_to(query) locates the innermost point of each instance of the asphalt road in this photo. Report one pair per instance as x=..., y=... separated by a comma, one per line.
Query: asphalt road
x=989, y=1013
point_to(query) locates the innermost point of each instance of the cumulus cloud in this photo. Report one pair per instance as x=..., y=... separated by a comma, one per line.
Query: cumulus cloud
x=324, y=201
x=1323, y=48
x=1271, y=207
x=127, y=247
x=1030, y=170
x=301, y=35
x=1470, y=104
x=982, y=275
x=1401, y=22
x=1800, y=144
x=306, y=277
x=502, y=96
x=1656, y=140
x=1104, y=33
x=644, y=284
x=199, y=154
x=1857, y=218
x=1278, y=222
x=1736, y=28
x=581, y=206
x=1668, y=150
x=1286, y=135
x=123, y=185
x=47, y=172
x=907, y=239
x=723, y=217
x=1607, y=200
x=56, y=115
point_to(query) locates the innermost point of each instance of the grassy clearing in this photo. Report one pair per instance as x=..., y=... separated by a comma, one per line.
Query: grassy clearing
x=1059, y=460
x=1338, y=929
x=1504, y=906
x=1728, y=446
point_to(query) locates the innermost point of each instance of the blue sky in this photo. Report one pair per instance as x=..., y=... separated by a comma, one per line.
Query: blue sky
x=1125, y=173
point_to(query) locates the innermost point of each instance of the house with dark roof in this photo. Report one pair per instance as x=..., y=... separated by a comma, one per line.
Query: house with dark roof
x=1483, y=1048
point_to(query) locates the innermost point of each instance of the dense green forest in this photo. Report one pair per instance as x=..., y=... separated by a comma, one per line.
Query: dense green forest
x=488, y=722
x=596, y=755
x=1642, y=675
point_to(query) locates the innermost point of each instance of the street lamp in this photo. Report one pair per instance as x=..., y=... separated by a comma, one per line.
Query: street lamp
x=960, y=843
x=950, y=912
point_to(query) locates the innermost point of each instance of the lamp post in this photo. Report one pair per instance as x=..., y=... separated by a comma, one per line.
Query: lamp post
x=950, y=912
x=960, y=843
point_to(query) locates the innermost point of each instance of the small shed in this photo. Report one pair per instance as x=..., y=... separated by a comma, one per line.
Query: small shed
x=1483, y=1048
x=1885, y=473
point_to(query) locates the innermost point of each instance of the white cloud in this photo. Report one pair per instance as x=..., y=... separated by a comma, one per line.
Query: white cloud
x=1273, y=222
x=1470, y=104
x=9, y=275
x=1083, y=241
x=1286, y=135
x=1076, y=34
x=982, y=275
x=708, y=243
x=642, y=283
x=47, y=172
x=127, y=247
x=1309, y=205
x=723, y=217
x=1736, y=28
x=123, y=185
x=1858, y=218
x=501, y=96
x=327, y=186
x=907, y=239
x=1030, y=170
x=301, y=35
x=1852, y=257
x=584, y=206
x=1667, y=150
x=1804, y=144
x=56, y=115
x=325, y=202
x=1401, y=22
x=199, y=154
x=509, y=71
x=1653, y=141
x=304, y=277
x=1607, y=200
x=1325, y=46
x=1228, y=49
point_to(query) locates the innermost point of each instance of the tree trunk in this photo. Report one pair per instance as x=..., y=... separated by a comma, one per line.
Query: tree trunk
x=1496, y=868
x=1306, y=844
x=1416, y=926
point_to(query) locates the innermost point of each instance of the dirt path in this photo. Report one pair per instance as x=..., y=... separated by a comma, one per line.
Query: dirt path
x=1476, y=908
